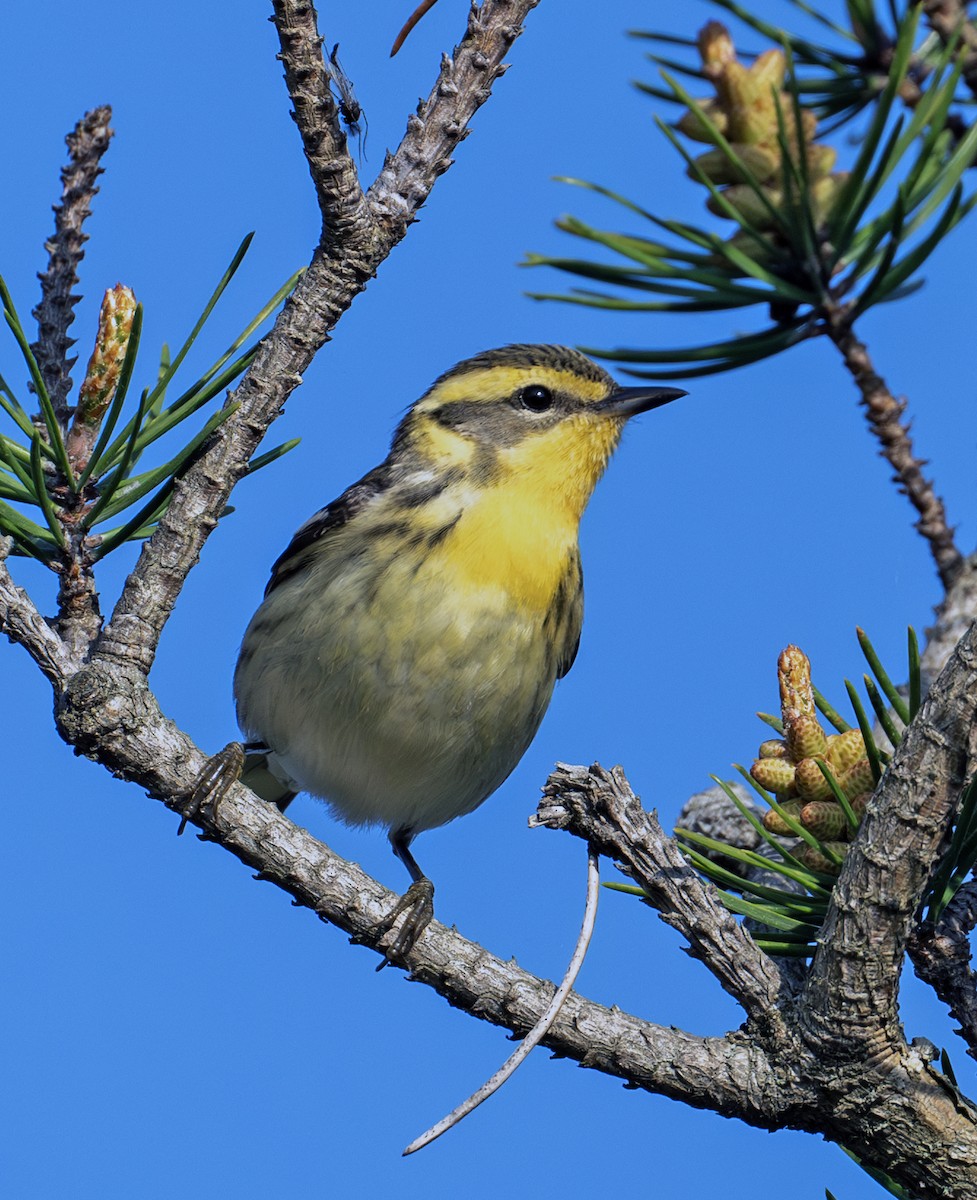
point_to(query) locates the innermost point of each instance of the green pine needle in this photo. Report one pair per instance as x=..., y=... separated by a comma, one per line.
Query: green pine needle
x=885, y=683
x=863, y=724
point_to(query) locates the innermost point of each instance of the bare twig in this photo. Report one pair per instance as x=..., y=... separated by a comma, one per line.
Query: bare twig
x=885, y=414
x=942, y=956
x=424, y=7
x=539, y=1030
x=55, y=312
x=600, y=807
x=886, y=1110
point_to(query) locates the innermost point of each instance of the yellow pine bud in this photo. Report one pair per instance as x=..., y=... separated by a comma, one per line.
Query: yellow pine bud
x=825, y=819
x=768, y=71
x=826, y=192
x=773, y=822
x=844, y=749
x=808, y=128
x=748, y=204
x=794, y=678
x=810, y=783
x=717, y=168
x=774, y=774
x=817, y=861
x=692, y=126
x=735, y=95
x=748, y=97
x=102, y=376
x=805, y=737
x=773, y=748
x=715, y=47
x=858, y=778
x=820, y=160
x=809, y=125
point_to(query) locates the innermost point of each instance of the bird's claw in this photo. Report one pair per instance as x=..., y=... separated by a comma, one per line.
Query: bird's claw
x=216, y=778
x=416, y=907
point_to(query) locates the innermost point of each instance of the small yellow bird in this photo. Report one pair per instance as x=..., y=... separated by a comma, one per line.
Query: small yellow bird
x=412, y=632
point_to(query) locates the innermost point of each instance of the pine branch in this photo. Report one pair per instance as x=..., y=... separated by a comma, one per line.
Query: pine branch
x=885, y=418
x=55, y=312
x=942, y=958
x=24, y=625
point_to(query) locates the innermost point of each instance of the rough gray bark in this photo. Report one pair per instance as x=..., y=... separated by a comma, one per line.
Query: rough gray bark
x=942, y=957
x=87, y=143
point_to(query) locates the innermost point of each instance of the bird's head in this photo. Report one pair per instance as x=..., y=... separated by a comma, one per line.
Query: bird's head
x=544, y=417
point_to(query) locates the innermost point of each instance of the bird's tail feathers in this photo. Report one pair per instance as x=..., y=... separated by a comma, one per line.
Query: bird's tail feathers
x=261, y=779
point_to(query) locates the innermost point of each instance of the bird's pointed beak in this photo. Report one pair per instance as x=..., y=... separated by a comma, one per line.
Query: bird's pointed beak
x=627, y=402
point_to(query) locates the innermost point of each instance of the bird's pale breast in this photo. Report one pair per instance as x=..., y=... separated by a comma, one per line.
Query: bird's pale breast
x=402, y=690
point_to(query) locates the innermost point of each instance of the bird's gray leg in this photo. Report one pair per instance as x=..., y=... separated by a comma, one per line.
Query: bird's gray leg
x=416, y=905
x=218, y=776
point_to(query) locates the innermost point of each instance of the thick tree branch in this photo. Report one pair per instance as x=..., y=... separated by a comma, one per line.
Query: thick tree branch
x=346, y=258
x=108, y=712
x=942, y=957
x=55, y=312
x=600, y=807
x=884, y=1109
x=954, y=616
x=882, y=1100
x=850, y=996
x=884, y=414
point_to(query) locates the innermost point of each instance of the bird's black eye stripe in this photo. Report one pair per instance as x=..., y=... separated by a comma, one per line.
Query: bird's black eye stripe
x=536, y=398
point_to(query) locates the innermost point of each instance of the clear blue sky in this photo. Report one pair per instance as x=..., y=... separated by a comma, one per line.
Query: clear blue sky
x=172, y=1028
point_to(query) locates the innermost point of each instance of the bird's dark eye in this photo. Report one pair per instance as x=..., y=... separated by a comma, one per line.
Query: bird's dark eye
x=536, y=398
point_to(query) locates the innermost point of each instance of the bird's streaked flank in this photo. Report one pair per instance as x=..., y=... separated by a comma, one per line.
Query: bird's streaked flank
x=412, y=632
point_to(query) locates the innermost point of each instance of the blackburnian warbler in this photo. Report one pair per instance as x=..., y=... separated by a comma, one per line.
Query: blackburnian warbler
x=412, y=632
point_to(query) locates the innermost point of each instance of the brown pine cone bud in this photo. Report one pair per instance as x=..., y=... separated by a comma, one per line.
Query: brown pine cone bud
x=794, y=677
x=715, y=47
x=772, y=748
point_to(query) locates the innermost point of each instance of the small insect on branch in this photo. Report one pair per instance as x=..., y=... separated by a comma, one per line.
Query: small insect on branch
x=350, y=109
